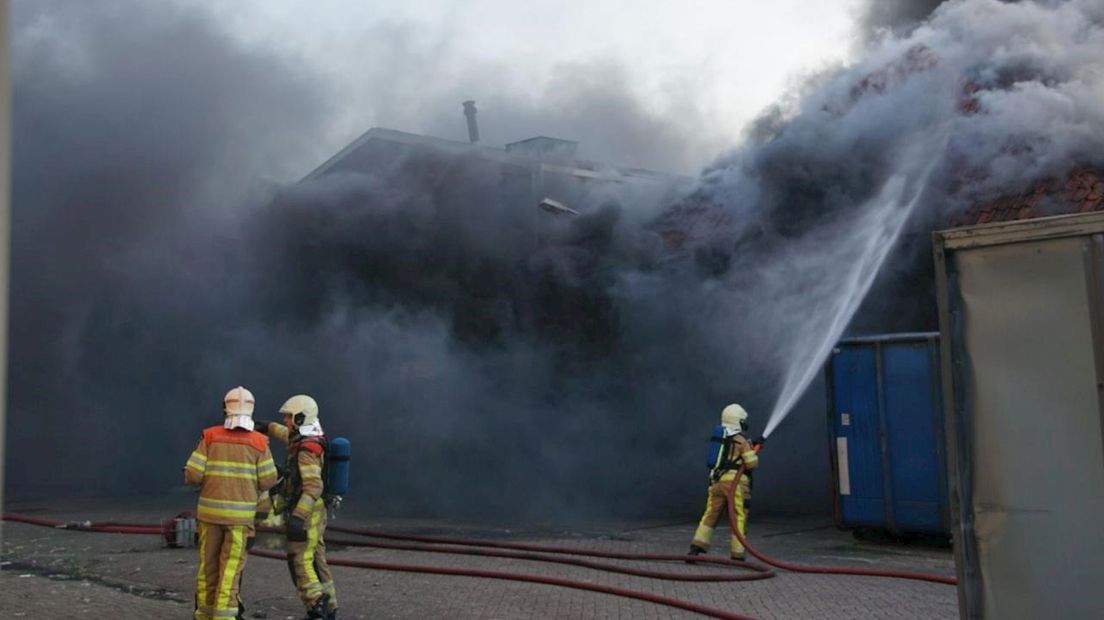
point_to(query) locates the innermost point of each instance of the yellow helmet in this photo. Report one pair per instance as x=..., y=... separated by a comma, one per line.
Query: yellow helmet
x=304, y=414
x=238, y=405
x=734, y=417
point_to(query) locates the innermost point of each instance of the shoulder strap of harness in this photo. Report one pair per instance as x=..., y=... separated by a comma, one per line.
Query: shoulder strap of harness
x=316, y=445
x=728, y=460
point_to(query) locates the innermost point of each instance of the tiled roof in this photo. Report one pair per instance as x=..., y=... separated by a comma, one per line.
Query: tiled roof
x=696, y=221
x=917, y=59
x=1082, y=191
x=690, y=223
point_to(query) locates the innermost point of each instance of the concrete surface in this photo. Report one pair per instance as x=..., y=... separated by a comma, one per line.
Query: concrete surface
x=50, y=573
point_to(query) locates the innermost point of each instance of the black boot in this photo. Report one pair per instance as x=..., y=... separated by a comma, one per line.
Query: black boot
x=318, y=610
x=694, y=550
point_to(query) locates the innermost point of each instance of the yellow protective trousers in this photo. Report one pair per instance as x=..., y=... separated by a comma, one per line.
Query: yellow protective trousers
x=307, y=562
x=716, y=503
x=221, y=561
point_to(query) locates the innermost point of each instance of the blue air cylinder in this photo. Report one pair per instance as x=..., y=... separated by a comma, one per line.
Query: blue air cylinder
x=337, y=482
x=716, y=444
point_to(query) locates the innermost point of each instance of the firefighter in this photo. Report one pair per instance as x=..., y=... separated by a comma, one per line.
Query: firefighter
x=232, y=466
x=304, y=506
x=731, y=452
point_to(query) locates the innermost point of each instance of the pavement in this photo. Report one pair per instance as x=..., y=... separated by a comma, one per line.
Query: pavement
x=54, y=573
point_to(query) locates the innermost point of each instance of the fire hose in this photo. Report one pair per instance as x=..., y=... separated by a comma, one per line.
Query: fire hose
x=760, y=572
x=543, y=553
x=533, y=552
x=825, y=570
x=106, y=527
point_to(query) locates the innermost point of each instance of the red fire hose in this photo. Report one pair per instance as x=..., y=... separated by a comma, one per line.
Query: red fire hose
x=827, y=570
x=522, y=551
x=87, y=526
x=554, y=581
x=761, y=572
x=433, y=544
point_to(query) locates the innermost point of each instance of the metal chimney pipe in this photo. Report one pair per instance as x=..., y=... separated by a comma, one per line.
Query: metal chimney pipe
x=473, y=128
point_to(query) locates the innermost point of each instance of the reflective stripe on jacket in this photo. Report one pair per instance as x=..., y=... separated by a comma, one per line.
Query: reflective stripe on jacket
x=232, y=467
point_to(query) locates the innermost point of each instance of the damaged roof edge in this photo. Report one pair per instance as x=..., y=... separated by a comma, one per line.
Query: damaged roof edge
x=1033, y=229
x=576, y=167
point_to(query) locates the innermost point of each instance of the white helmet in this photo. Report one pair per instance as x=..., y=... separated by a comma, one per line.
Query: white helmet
x=238, y=405
x=304, y=414
x=734, y=417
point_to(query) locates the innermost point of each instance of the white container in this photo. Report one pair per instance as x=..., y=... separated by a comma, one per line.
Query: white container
x=1021, y=313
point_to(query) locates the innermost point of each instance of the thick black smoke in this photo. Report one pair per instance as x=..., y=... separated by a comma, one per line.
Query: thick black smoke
x=483, y=361
x=138, y=133
x=475, y=371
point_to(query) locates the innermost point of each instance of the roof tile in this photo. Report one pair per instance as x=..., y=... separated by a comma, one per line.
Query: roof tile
x=1081, y=190
x=1097, y=190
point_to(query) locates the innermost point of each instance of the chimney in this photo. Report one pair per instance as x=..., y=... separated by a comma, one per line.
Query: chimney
x=473, y=128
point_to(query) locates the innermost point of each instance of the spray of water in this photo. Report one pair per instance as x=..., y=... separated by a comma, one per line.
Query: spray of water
x=981, y=100
x=874, y=236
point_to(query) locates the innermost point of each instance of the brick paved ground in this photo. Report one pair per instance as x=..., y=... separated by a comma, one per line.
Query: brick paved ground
x=60, y=574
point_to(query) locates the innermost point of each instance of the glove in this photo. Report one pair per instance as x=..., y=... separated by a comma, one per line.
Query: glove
x=757, y=445
x=296, y=530
x=261, y=426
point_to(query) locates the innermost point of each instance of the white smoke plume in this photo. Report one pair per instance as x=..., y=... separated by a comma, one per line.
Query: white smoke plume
x=984, y=98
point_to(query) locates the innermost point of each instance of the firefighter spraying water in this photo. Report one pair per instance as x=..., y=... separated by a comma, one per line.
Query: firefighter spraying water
x=731, y=460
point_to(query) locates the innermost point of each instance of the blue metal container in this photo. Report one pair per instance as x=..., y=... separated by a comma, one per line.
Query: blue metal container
x=886, y=419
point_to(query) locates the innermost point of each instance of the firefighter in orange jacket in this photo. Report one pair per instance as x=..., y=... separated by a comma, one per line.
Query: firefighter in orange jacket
x=304, y=507
x=736, y=451
x=232, y=466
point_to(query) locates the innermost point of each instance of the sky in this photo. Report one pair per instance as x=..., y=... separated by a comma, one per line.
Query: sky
x=714, y=64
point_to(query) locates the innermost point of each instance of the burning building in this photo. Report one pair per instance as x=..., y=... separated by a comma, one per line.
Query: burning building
x=440, y=313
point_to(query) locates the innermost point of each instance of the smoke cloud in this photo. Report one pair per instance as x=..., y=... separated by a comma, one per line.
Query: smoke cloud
x=483, y=361
x=155, y=267
x=983, y=99
x=893, y=16
x=132, y=154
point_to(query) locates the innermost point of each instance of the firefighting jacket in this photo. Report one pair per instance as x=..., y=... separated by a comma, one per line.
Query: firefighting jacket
x=303, y=481
x=231, y=469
